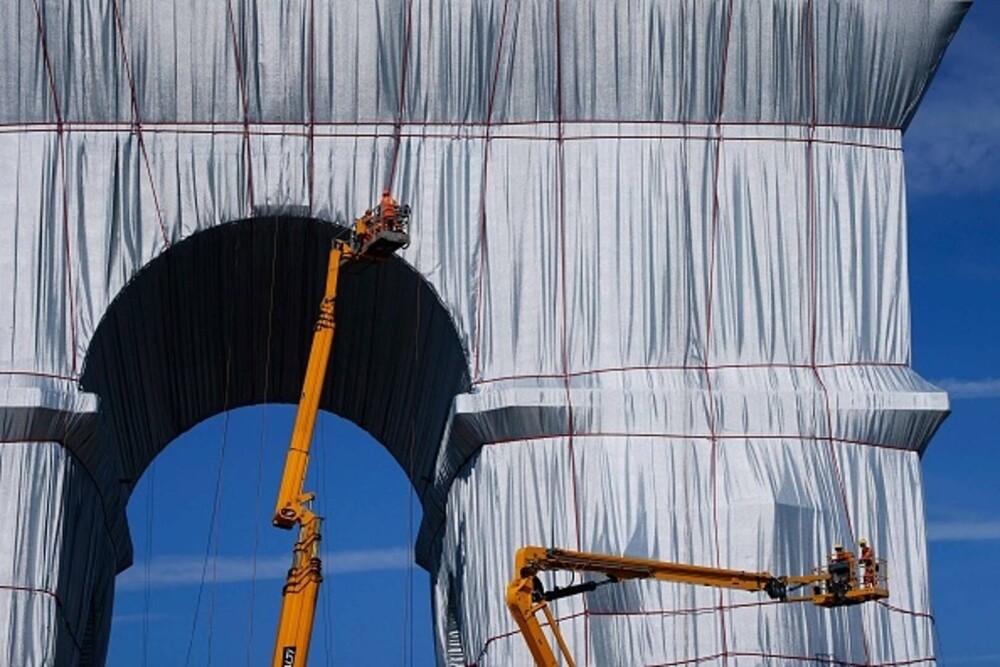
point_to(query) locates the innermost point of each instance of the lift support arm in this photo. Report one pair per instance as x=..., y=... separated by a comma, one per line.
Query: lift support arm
x=835, y=586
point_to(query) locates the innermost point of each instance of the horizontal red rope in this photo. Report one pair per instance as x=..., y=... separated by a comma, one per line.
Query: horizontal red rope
x=59, y=607
x=698, y=368
x=716, y=656
x=42, y=374
x=475, y=123
x=697, y=436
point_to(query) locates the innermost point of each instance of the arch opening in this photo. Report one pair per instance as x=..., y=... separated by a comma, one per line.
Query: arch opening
x=224, y=319
x=211, y=581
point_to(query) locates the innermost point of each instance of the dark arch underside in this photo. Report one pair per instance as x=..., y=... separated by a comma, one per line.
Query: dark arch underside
x=244, y=296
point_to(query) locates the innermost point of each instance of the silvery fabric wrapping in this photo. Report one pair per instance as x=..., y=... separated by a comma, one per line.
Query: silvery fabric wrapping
x=656, y=301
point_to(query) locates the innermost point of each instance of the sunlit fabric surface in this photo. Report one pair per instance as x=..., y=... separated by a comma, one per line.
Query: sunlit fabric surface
x=656, y=300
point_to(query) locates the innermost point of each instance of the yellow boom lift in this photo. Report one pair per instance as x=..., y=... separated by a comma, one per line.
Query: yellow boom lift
x=374, y=237
x=835, y=585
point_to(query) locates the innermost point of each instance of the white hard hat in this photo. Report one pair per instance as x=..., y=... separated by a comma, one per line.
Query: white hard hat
x=838, y=547
x=863, y=541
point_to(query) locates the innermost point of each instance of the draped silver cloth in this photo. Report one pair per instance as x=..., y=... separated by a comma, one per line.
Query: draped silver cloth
x=656, y=301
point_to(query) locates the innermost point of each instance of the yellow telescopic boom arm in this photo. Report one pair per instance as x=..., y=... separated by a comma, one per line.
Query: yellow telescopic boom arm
x=834, y=586
x=298, y=601
x=292, y=498
x=373, y=238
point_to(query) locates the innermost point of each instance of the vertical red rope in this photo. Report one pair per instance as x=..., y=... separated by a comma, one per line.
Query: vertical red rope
x=137, y=121
x=561, y=215
x=61, y=166
x=713, y=242
x=398, y=128
x=311, y=103
x=483, y=245
x=245, y=102
x=812, y=213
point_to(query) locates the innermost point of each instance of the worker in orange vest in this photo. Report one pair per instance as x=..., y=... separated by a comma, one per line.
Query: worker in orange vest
x=388, y=210
x=868, y=562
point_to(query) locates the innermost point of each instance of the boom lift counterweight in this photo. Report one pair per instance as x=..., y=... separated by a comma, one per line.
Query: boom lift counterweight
x=836, y=585
x=373, y=237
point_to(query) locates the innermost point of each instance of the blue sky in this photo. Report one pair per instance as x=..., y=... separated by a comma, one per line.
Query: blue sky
x=375, y=606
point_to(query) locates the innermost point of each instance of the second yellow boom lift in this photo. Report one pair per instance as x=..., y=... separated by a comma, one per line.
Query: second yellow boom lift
x=835, y=585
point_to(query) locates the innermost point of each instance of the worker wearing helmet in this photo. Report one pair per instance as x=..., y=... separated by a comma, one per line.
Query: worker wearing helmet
x=868, y=562
x=388, y=210
x=839, y=553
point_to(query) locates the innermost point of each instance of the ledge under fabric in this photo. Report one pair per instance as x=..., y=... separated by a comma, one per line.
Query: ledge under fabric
x=656, y=301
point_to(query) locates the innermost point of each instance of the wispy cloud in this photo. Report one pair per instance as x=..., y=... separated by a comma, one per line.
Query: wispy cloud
x=988, y=388
x=953, y=144
x=963, y=531
x=172, y=571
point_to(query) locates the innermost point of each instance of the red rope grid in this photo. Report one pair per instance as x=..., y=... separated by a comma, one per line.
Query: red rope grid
x=310, y=131
x=137, y=121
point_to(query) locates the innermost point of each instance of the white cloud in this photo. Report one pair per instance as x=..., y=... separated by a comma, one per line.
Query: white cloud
x=953, y=144
x=962, y=531
x=988, y=388
x=171, y=571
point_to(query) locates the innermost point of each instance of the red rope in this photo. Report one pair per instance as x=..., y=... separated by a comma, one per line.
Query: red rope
x=721, y=437
x=311, y=92
x=245, y=101
x=813, y=225
x=259, y=129
x=43, y=374
x=483, y=245
x=710, y=293
x=700, y=367
x=59, y=607
x=61, y=134
x=569, y=122
x=398, y=126
x=137, y=125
